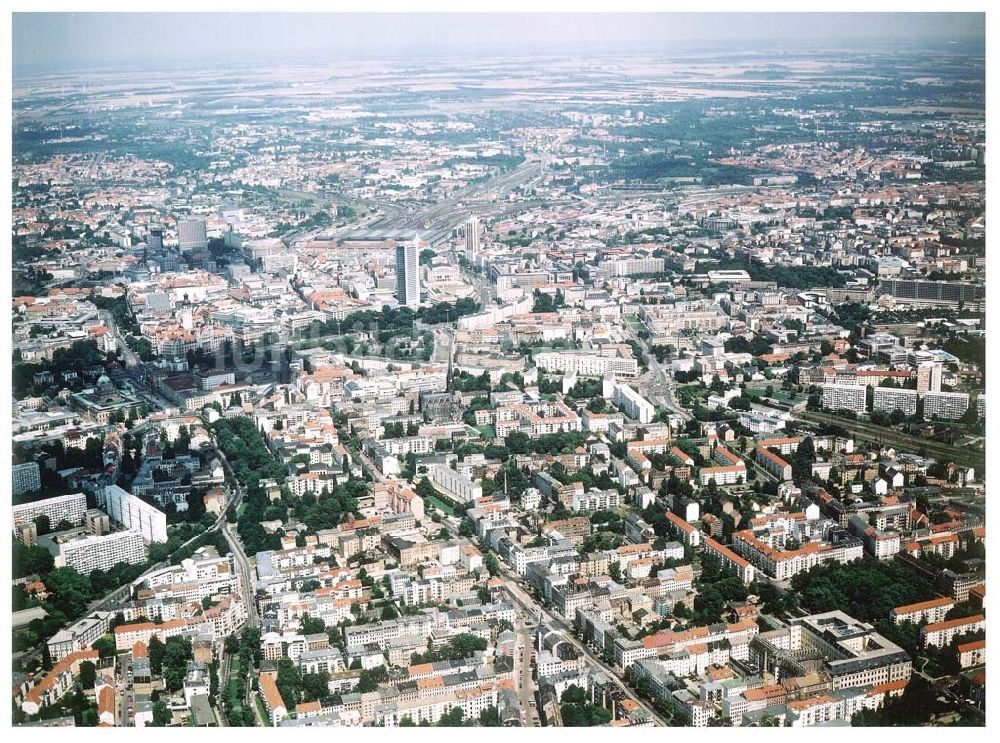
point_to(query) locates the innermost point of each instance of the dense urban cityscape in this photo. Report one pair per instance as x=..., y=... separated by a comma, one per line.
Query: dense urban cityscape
x=638, y=389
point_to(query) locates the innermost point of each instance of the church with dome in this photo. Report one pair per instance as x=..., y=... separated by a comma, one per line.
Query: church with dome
x=104, y=401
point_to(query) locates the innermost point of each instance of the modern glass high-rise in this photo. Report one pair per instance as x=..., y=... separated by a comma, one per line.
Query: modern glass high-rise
x=407, y=274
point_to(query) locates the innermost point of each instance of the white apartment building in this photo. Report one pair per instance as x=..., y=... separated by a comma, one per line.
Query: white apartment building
x=134, y=513
x=630, y=266
x=596, y=500
x=732, y=469
x=931, y=611
x=940, y=634
x=587, y=364
x=759, y=423
x=310, y=482
x=889, y=399
x=430, y=709
x=379, y=634
x=80, y=635
x=409, y=445
x=730, y=561
x=845, y=397
x=454, y=484
x=536, y=419
x=783, y=564
x=103, y=552
x=634, y=405
x=71, y=508
x=26, y=478
x=945, y=405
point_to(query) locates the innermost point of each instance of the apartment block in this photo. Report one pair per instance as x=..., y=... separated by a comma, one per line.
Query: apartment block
x=26, y=478
x=932, y=611
x=134, y=513
x=845, y=397
x=103, y=552
x=945, y=405
x=71, y=508
x=940, y=634
x=454, y=484
x=634, y=405
x=588, y=364
x=890, y=399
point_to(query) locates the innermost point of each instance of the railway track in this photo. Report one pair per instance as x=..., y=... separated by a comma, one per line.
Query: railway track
x=896, y=439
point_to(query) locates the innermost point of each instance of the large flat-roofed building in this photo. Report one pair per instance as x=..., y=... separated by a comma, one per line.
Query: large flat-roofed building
x=103, y=552
x=845, y=397
x=631, y=266
x=26, y=478
x=946, y=405
x=70, y=508
x=851, y=652
x=890, y=399
x=733, y=276
x=79, y=635
x=634, y=405
x=667, y=320
x=936, y=292
x=454, y=484
x=587, y=364
x=192, y=234
x=134, y=513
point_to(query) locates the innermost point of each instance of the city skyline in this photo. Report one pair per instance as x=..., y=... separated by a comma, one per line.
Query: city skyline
x=82, y=40
x=499, y=371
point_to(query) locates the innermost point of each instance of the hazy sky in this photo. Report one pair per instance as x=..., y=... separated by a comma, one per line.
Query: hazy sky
x=71, y=41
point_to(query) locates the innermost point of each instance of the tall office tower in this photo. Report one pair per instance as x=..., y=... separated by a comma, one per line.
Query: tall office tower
x=154, y=238
x=408, y=274
x=928, y=377
x=192, y=234
x=472, y=232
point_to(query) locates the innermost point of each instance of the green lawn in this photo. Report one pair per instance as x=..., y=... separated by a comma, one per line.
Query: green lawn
x=441, y=504
x=540, y=349
x=234, y=698
x=263, y=713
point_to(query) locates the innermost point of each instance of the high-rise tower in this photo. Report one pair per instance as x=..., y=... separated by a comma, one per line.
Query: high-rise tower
x=407, y=274
x=472, y=236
